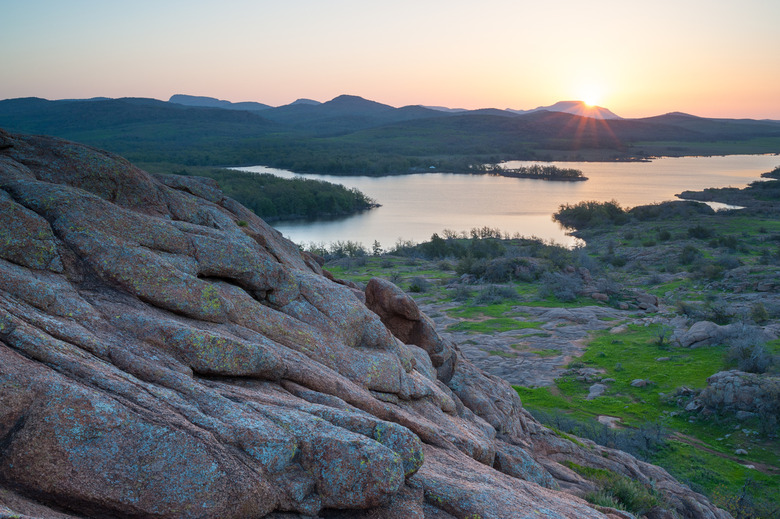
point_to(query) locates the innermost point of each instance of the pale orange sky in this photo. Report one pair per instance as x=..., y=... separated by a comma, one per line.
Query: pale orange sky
x=711, y=58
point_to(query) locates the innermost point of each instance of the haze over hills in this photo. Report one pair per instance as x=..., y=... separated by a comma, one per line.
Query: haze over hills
x=353, y=135
x=571, y=107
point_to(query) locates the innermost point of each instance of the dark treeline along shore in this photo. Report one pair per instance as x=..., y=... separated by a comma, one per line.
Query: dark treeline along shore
x=350, y=135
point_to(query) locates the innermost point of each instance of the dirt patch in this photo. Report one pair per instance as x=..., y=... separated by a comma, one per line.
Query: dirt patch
x=613, y=422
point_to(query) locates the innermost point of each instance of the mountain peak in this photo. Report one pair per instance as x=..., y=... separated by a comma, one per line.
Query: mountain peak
x=580, y=108
x=352, y=101
x=305, y=101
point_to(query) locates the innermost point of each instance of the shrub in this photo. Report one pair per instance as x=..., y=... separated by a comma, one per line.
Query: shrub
x=692, y=310
x=729, y=262
x=662, y=335
x=748, y=350
x=655, y=279
x=707, y=271
x=494, y=294
x=616, y=261
x=418, y=284
x=634, y=496
x=435, y=248
x=462, y=293
x=730, y=242
x=470, y=265
x=342, y=249
x=499, y=270
x=608, y=286
x=444, y=265
x=749, y=503
x=563, y=287
x=618, y=490
x=689, y=254
x=719, y=311
x=664, y=235
x=759, y=313
x=602, y=498
x=752, y=358
x=700, y=232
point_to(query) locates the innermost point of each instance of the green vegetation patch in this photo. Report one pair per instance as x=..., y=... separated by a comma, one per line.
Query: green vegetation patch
x=548, y=352
x=494, y=325
x=725, y=480
x=618, y=491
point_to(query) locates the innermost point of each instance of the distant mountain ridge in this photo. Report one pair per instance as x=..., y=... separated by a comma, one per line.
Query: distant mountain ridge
x=212, y=102
x=359, y=104
x=353, y=135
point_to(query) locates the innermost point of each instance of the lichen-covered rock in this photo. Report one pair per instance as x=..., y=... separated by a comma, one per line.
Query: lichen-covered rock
x=734, y=391
x=159, y=360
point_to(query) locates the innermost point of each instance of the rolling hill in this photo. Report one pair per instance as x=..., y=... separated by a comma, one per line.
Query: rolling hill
x=353, y=135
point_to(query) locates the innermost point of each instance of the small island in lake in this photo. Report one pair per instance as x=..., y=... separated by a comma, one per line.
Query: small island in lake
x=537, y=171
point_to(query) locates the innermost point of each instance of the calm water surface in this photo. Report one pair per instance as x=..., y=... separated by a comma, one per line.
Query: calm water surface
x=416, y=206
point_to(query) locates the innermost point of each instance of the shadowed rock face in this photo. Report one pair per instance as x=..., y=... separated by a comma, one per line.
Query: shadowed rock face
x=159, y=360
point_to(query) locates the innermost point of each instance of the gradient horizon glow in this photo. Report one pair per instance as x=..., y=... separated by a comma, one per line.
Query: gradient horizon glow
x=711, y=58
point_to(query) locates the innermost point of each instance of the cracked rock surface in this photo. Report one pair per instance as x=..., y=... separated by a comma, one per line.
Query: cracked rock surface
x=159, y=360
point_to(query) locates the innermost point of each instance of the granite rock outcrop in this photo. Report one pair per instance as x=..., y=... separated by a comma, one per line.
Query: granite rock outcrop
x=157, y=359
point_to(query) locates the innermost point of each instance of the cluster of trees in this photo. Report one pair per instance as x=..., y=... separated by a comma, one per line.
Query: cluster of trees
x=537, y=171
x=590, y=213
x=276, y=198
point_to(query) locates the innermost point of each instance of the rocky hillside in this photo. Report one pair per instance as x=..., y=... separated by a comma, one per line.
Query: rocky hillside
x=165, y=353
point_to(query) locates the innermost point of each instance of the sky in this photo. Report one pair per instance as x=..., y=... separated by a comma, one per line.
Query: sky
x=714, y=58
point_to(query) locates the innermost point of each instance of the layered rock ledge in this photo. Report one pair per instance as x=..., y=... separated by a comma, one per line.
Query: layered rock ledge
x=165, y=353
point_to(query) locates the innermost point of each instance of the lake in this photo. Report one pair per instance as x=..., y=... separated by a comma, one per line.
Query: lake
x=416, y=206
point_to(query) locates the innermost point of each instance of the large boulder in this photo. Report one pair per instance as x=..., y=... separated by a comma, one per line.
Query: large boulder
x=736, y=391
x=701, y=333
x=159, y=360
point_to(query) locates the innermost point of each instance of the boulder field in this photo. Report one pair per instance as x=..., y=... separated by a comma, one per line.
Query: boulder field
x=165, y=353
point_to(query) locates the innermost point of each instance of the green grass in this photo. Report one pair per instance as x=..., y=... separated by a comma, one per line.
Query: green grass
x=625, y=357
x=714, y=475
x=549, y=352
x=476, y=312
x=670, y=286
x=631, y=355
x=494, y=325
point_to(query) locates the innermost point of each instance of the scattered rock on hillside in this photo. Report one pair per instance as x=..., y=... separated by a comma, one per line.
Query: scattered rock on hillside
x=595, y=391
x=702, y=333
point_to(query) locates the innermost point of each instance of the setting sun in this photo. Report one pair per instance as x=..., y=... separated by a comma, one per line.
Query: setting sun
x=590, y=96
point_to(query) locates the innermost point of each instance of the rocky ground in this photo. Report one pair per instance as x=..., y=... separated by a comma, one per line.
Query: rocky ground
x=165, y=353
x=534, y=358
x=514, y=355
